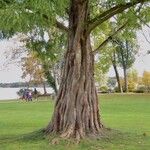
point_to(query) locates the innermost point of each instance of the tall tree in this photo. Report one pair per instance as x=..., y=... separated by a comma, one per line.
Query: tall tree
x=76, y=112
x=101, y=67
x=132, y=80
x=146, y=80
x=50, y=52
x=126, y=52
x=33, y=70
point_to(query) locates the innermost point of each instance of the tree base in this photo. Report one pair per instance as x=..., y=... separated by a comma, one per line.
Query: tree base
x=76, y=134
x=104, y=133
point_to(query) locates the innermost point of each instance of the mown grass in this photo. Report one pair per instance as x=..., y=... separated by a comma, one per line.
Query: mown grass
x=127, y=115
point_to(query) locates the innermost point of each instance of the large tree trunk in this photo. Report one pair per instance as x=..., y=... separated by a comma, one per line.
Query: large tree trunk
x=76, y=111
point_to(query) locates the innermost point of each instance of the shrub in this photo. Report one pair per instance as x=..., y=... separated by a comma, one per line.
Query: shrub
x=140, y=89
x=21, y=92
x=103, y=89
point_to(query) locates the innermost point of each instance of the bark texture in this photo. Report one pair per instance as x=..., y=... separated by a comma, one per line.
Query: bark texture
x=44, y=88
x=114, y=63
x=118, y=78
x=124, y=63
x=125, y=79
x=76, y=111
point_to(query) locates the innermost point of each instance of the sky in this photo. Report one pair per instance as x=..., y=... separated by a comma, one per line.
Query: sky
x=12, y=72
x=9, y=72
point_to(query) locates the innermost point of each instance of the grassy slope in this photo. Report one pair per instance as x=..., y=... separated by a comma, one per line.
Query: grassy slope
x=130, y=114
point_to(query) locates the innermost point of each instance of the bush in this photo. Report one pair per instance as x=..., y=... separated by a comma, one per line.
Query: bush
x=21, y=92
x=116, y=89
x=103, y=89
x=140, y=89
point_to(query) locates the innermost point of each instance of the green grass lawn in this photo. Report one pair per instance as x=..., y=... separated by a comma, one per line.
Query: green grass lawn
x=127, y=115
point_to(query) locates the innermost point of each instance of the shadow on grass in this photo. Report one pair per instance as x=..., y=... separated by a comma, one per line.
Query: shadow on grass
x=113, y=139
x=33, y=136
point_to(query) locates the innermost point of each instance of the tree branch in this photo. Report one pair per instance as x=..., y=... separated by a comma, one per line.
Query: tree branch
x=108, y=39
x=145, y=23
x=146, y=38
x=141, y=20
x=111, y=12
x=61, y=26
x=58, y=24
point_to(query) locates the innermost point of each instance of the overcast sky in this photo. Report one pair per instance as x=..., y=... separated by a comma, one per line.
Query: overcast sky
x=9, y=72
x=12, y=73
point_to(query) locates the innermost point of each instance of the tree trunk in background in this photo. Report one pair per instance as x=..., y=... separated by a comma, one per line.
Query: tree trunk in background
x=125, y=79
x=44, y=88
x=118, y=78
x=76, y=111
x=114, y=63
x=50, y=79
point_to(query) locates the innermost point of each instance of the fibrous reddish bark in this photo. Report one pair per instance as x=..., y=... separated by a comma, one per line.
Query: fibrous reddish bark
x=76, y=111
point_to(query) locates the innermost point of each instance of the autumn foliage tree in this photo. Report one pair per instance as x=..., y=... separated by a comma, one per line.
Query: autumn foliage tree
x=146, y=80
x=126, y=52
x=76, y=112
x=133, y=80
x=32, y=70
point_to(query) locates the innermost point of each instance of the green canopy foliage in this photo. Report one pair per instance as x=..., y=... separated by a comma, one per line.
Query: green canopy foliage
x=25, y=15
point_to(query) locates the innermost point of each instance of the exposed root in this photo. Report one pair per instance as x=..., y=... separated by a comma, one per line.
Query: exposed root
x=78, y=136
x=55, y=141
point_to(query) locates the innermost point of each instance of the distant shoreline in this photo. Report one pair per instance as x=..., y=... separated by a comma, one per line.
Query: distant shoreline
x=11, y=93
x=22, y=85
x=8, y=100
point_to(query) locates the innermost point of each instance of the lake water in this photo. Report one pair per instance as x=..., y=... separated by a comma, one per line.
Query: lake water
x=11, y=93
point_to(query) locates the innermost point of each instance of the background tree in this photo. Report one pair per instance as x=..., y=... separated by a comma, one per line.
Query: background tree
x=102, y=65
x=132, y=80
x=111, y=83
x=126, y=51
x=146, y=80
x=50, y=52
x=45, y=46
x=114, y=61
x=32, y=69
x=100, y=78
